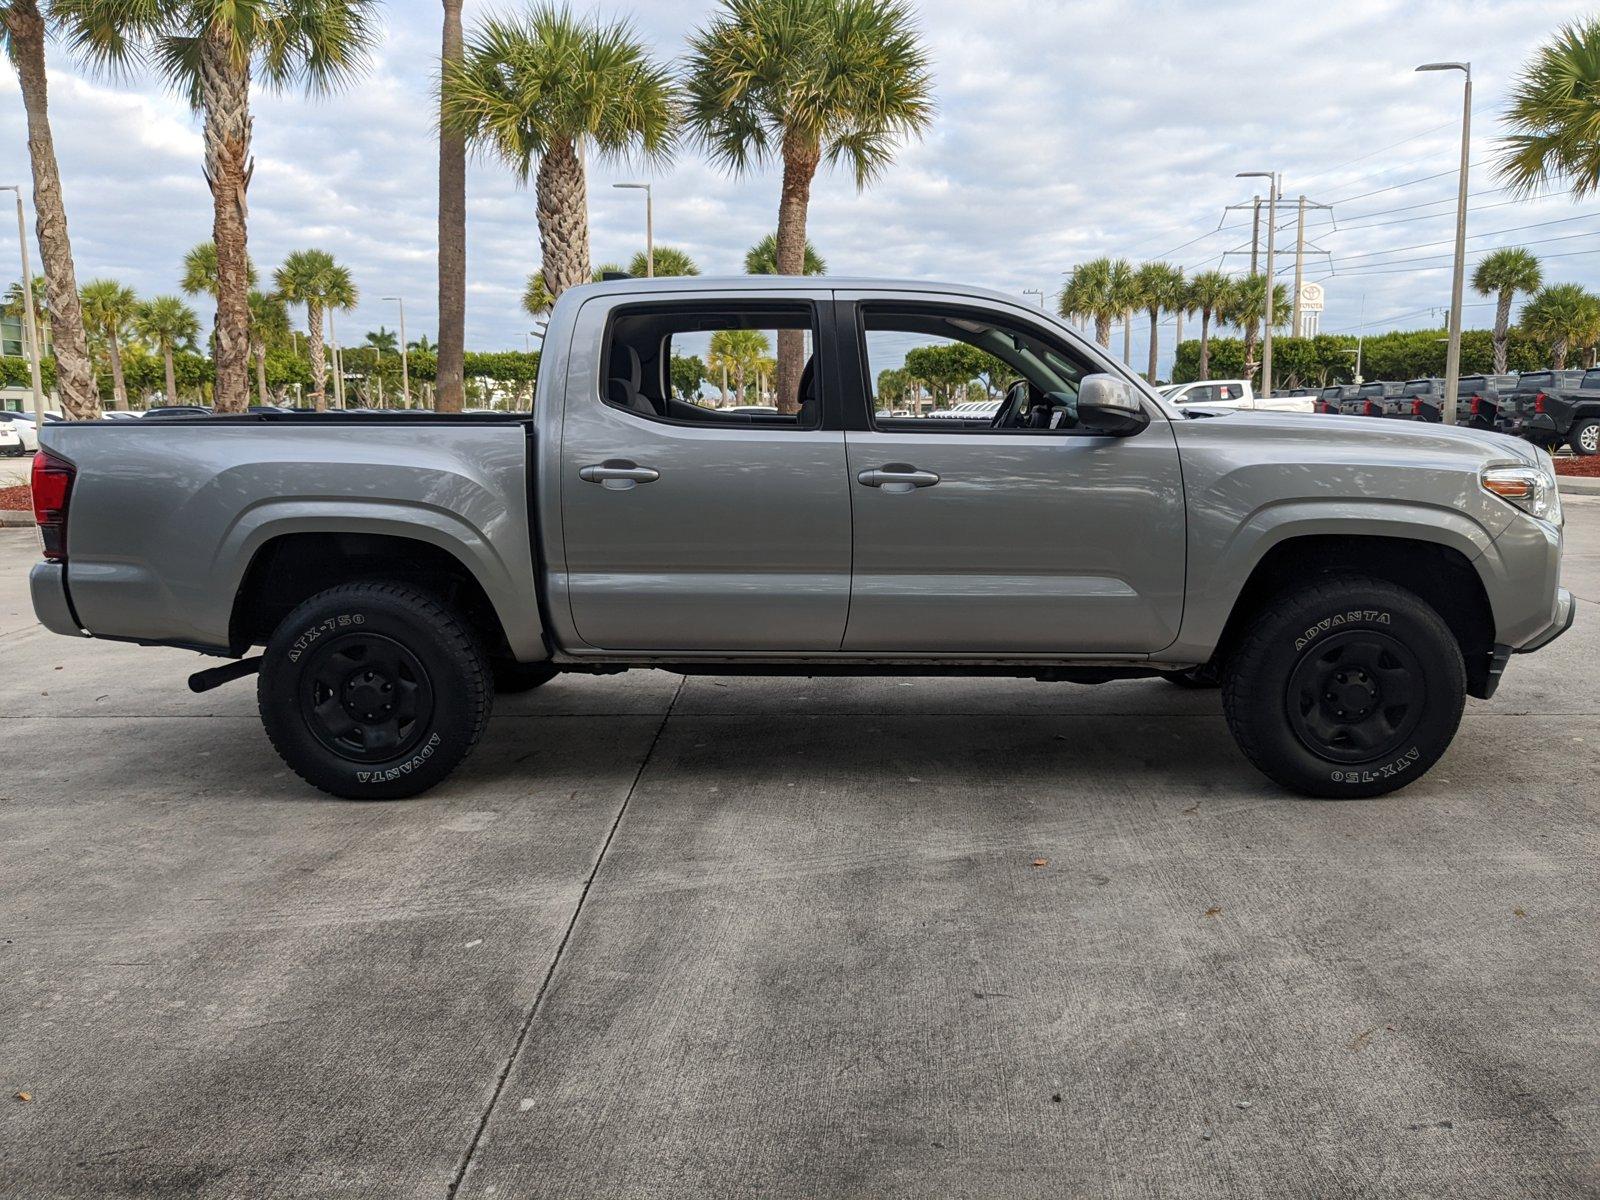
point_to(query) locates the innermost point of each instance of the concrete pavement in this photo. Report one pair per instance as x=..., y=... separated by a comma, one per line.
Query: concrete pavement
x=669, y=937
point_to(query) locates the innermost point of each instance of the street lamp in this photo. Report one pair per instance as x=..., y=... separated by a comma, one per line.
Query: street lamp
x=1452, y=358
x=1272, y=226
x=649, y=226
x=1034, y=292
x=28, y=313
x=405, y=360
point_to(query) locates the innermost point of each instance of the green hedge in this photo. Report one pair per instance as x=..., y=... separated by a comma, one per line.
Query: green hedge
x=1330, y=358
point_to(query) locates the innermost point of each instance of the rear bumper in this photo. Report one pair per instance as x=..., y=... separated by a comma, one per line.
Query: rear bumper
x=48, y=584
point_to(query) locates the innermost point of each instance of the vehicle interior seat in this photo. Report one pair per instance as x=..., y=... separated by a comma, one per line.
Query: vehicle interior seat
x=627, y=378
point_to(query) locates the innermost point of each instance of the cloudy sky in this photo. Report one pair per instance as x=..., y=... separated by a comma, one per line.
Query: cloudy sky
x=1065, y=130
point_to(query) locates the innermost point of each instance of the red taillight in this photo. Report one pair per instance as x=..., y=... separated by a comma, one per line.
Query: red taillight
x=52, y=488
x=1538, y=403
x=1369, y=409
x=1416, y=408
x=1476, y=402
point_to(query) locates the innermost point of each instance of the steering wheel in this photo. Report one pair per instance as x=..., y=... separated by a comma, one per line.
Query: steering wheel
x=1017, y=393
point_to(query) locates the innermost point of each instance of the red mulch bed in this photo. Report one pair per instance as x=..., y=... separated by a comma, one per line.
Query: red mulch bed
x=1564, y=466
x=19, y=498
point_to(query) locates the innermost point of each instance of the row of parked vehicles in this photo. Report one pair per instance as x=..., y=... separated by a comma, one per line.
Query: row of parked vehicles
x=1547, y=408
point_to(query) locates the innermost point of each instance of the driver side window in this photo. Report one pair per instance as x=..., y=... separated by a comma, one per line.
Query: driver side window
x=946, y=369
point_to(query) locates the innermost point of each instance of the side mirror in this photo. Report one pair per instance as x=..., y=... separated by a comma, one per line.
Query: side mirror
x=1110, y=405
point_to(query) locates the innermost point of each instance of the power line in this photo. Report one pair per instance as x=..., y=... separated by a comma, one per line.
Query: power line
x=1374, y=269
x=1490, y=233
x=1450, y=124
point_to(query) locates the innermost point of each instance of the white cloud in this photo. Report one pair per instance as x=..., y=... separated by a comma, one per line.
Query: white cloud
x=1064, y=131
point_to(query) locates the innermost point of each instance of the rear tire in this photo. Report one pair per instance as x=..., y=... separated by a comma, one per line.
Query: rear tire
x=1345, y=688
x=1584, y=438
x=373, y=691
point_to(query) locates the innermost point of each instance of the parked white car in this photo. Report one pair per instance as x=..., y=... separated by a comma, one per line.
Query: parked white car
x=1234, y=393
x=22, y=426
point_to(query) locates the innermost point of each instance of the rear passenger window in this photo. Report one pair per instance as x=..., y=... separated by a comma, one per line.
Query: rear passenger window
x=714, y=364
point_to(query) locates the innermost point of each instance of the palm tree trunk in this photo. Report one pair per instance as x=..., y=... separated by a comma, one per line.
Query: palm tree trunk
x=452, y=238
x=261, y=371
x=74, y=370
x=1150, y=375
x=1205, y=343
x=1102, y=330
x=1558, y=354
x=800, y=160
x=1502, y=321
x=319, y=360
x=119, y=386
x=172, y=375
x=1127, y=337
x=724, y=388
x=563, y=218
x=225, y=96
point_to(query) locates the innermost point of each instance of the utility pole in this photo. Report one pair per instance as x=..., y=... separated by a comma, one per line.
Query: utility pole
x=405, y=358
x=1255, y=236
x=1272, y=226
x=1299, y=266
x=1452, y=364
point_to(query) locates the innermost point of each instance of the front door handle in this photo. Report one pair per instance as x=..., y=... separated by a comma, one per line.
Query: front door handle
x=897, y=477
x=618, y=474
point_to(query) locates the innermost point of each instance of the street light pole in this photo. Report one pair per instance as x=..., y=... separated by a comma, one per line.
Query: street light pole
x=28, y=313
x=405, y=360
x=1452, y=358
x=1272, y=227
x=1035, y=292
x=649, y=226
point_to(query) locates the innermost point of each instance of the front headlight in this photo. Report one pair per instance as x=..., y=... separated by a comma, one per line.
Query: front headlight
x=1531, y=489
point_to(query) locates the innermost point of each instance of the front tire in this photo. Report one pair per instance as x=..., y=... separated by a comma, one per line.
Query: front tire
x=1585, y=438
x=373, y=691
x=1346, y=688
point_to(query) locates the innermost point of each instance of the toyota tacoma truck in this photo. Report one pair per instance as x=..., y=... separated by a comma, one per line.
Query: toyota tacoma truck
x=1346, y=584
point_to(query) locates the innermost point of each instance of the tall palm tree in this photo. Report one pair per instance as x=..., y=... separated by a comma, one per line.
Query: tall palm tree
x=1503, y=274
x=340, y=294
x=1246, y=309
x=383, y=340
x=1554, y=115
x=1209, y=293
x=536, y=298
x=1564, y=316
x=269, y=323
x=308, y=277
x=108, y=307
x=1160, y=288
x=210, y=50
x=806, y=80
x=1097, y=291
x=530, y=90
x=739, y=352
x=200, y=275
x=167, y=322
x=16, y=307
x=669, y=260
x=449, y=377
x=762, y=258
x=22, y=37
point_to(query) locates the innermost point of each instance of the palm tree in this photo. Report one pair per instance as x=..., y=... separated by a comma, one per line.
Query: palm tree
x=340, y=294
x=200, y=277
x=313, y=278
x=449, y=377
x=762, y=258
x=1563, y=315
x=1098, y=291
x=669, y=260
x=1555, y=115
x=167, y=321
x=423, y=344
x=806, y=80
x=22, y=37
x=210, y=50
x=536, y=298
x=1208, y=293
x=16, y=308
x=1247, y=306
x=269, y=322
x=383, y=341
x=531, y=89
x=1160, y=288
x=108, y=306
x=740, y=352
x=1503, y=274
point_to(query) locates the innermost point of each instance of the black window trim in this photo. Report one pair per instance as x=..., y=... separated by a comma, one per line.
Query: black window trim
x=823, y=343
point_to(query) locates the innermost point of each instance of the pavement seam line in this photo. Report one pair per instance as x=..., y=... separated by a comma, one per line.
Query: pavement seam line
x=533, y=1009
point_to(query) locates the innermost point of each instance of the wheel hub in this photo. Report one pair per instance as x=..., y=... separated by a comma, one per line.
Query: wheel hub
x=1355, y=696
x=365, y=697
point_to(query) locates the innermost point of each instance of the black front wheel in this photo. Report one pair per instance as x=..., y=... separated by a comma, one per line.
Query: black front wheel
x=373, y=691
x=1585, y=438
x=1347, y=687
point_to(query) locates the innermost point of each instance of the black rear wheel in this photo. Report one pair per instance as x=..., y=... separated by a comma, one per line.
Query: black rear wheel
x=1347, y=687
x=373, y=691
x=1585, y=438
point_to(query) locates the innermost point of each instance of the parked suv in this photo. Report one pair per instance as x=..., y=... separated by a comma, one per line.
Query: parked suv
x=1478, y=399
x=1569, y=414
x=1532, y=409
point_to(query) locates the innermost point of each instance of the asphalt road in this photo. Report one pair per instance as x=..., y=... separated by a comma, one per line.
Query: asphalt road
x=791, y=938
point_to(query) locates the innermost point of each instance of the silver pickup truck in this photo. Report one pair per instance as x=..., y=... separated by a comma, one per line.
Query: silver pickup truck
x=1346, y=583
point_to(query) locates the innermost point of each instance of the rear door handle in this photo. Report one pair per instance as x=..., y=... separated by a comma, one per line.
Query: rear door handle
x=618, y=474
x=897, y=477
